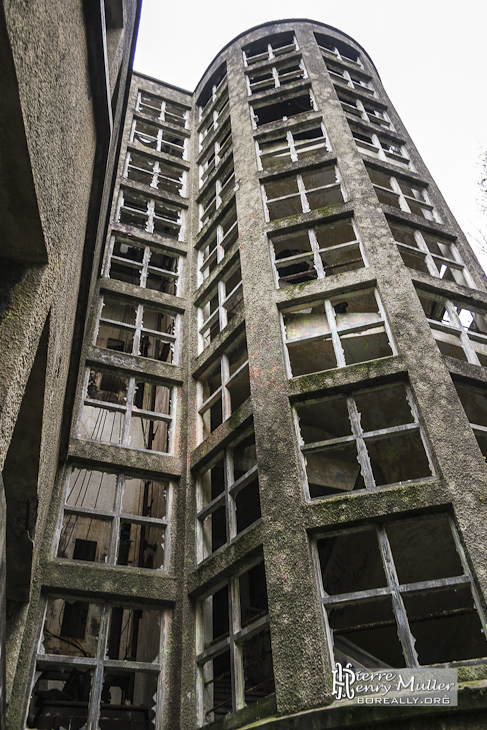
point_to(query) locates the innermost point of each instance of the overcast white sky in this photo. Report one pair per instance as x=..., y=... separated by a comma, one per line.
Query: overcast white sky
x=430, y=54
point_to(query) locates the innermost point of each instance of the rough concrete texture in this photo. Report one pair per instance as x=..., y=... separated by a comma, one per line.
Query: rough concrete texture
x=284, y=538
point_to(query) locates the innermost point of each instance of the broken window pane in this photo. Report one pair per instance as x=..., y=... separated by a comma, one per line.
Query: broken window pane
x=84, y=538
x=412, y=621
x=355, y=318
x=268, y=48
x=228, y=495
x=234, y=631
x=282, y=110
x=61, y=696
x=342, y=451
x=308, y=191
x=474, y=401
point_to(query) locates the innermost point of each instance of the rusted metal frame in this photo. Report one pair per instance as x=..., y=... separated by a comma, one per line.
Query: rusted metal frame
x=404, y=630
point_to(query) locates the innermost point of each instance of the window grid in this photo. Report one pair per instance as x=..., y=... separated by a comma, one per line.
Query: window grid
x=403, y=195
x=220, y=191
x=234, y=642
x=292, y=266
x=214, y=247
x=126, y=409
x=150, y=214
x=213, y=120
x=234, y=485
x=220, y=306
x=398, y=591
x=128, y=522
x=155, y=173
x=360, y=437
x=278, y=111
x=158, y=138
x=292, y=146
x=333, y=329
x=102, y=670
x=139, y=339
x=327, y=46
x=382, y=149
x=132, y=261
x=213, y=93
x=460, y=332
x=444, y=263
x=223, y=387
x=330, y=193
x=216, y=153
x=274, y=77
x=273, y=49
x=163, y=110
x=343, y=75
x=372, y=115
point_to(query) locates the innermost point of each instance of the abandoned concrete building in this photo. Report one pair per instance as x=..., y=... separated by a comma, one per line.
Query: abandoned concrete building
x=271, y=456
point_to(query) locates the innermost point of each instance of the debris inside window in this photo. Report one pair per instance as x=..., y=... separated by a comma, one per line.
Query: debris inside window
x=127, y=639
x=314, y=253
x=370, y=439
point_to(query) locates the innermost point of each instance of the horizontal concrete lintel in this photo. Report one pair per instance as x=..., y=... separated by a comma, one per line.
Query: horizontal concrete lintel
x=222, y=435
x=116, y=456
x=110, y=581
x=216, y=348
x=130, y=233
x=226, y=561
x=329, y=381
x=327, y=214
x=369, y=505
x=135, y=364
x=328, y=287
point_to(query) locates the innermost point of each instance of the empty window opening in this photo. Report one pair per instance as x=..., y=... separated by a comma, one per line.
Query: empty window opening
x=159, y=139
x=220, y=191
x=474, y=401
x=221, y=305
x=214, y=246
x=282, y=110
x=459, y=331
x=359, y=109
x=291, y=146
x=142, y=265
x=330, y=333
x=212, y=88
x=430, y=253
x=115, y=519
x=400, y=594
x=156, y=173
x=332, y=46
x=216, y=119
x=400, y=194
x=137, y=329
x=215, y=153
x=383, y=148
x=310, y=190
x=127, y=411
x=223, y=387
x=269, y=48
x=274, y=77
x=363, y=441
x=314, y=253
x=163, y=110
x=354, y=79
x=150, y=214
x=228, y=496
x=234, y=657
x=68, y=671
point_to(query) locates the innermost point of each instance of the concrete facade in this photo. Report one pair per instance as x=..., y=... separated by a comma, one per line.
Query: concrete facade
x=277, y=451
